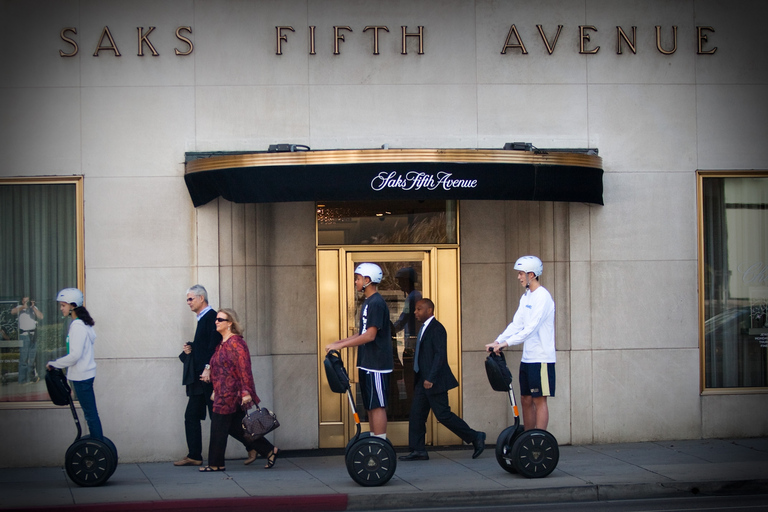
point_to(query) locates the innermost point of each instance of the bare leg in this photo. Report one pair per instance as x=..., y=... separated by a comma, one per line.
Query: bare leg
x=377, y=418
x=535, y=412
x=542, y=412
x=529, y=412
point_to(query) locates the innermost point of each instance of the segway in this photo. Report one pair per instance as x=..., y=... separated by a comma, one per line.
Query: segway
x=370, y=461
x=532, y=453
x=88, y=462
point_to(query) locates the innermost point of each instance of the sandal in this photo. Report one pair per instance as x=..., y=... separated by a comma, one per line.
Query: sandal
x=211, y=469
x=271, y=459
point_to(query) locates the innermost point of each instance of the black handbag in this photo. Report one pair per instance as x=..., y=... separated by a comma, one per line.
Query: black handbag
x=57, y=385
x=258, y=422
x=335, y=372
x=498, y=373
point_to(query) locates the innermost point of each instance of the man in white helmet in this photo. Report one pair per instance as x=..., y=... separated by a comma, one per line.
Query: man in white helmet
x=375, y=359
x=534, y=326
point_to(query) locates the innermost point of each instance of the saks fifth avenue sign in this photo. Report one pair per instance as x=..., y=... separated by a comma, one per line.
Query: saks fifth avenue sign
x=587, y=44
x=398, y=174
x=416, y=180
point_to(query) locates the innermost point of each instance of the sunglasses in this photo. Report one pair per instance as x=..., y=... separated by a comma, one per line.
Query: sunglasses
x=222, y=320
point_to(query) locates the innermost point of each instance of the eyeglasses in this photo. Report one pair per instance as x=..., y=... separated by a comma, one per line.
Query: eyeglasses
x=222, y=320
x=190, y=299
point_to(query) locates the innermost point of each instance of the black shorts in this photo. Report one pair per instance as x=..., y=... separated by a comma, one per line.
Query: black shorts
x=537, y=379
x=374, y=386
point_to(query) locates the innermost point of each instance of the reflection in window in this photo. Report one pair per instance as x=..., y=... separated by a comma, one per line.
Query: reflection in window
x=735, y=232
x=38, y=251
x=386, y=222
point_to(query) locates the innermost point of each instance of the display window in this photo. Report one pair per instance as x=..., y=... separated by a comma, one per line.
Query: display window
x=733, y=244
x=386, y=222
x=41, y=253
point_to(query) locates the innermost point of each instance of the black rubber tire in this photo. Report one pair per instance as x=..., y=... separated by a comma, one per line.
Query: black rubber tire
x=535, y=453
x=112, y=447
x=371, y=461
x=89, y=462
x=504, y=447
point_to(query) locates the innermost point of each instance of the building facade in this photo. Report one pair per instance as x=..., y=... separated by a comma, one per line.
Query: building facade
x=112, y=109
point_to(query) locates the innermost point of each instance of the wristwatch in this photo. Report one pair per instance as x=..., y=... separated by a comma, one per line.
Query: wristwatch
x=207, y=367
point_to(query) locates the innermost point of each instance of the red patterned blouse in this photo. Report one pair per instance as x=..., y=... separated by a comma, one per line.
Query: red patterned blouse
x=231, y=375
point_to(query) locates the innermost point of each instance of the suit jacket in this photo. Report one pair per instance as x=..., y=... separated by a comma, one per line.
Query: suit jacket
x=203, y=346
x=433, y=360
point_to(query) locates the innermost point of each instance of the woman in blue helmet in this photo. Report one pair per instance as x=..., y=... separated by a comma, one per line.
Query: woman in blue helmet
x=80, y=360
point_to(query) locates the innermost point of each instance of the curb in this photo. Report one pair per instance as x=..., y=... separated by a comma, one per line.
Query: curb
x=320, y=502
x=595, y=492
x=423, y=500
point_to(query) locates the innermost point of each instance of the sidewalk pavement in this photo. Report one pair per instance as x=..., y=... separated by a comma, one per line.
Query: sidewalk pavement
x=318, y=480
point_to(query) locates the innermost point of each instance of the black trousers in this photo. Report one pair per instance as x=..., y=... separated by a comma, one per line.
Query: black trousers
x=438, y=402
x=195, y=413
x=225, y=425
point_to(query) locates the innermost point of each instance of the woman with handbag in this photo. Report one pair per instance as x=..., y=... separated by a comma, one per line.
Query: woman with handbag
x=233, y=392
x=79, y=359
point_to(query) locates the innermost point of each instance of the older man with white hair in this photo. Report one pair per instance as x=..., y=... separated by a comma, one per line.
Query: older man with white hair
x=196, y=356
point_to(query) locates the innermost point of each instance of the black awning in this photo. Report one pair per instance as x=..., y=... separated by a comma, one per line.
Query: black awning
x=347, y=175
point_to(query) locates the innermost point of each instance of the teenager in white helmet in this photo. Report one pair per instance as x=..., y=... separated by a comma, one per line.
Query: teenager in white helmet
x=80, y=360
x=374, y=355
x=534, y=326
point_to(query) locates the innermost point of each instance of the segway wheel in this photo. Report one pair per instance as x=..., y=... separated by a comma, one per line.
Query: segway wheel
x=111, y=446
x=89, y=462
x=371, y=461
x=535, y=453
x=504, y=447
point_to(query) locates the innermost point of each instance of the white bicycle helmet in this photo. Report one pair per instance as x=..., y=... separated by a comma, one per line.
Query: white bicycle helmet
x=70, y=296
x=530, y=264
x=371, y=271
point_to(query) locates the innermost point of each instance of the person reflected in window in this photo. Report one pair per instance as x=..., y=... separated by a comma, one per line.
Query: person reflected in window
x=80, y=359
x=233, y=393
x=406, y=279
x=402, y=376
x=28, y=317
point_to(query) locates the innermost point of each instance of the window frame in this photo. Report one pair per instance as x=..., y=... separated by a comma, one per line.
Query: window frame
x=77, y=181
x=701, y=175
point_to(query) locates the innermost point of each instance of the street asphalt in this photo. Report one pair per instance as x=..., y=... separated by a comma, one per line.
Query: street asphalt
x=318, y=480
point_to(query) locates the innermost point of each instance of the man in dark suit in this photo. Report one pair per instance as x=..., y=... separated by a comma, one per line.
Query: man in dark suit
x=197, y=373
x=433, y=379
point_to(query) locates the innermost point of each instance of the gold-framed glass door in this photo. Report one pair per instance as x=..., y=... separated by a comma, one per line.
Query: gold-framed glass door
x=409, y=275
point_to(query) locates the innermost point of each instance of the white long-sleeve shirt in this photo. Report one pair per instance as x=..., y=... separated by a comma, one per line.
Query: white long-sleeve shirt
x=533, y=325
x=80, y=360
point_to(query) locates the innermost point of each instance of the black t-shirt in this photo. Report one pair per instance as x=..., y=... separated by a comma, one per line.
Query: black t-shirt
x=376, y=355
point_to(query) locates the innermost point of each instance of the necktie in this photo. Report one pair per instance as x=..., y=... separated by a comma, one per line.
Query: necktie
x=416, y=352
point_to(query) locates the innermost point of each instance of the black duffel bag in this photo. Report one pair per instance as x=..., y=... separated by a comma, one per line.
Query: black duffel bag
x=57, y=385
x=335, y=372
x=498, y=373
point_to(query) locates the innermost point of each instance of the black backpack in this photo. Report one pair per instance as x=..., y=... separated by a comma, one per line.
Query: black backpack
x=58, y=388
x=335, y=372
x=498, y=374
